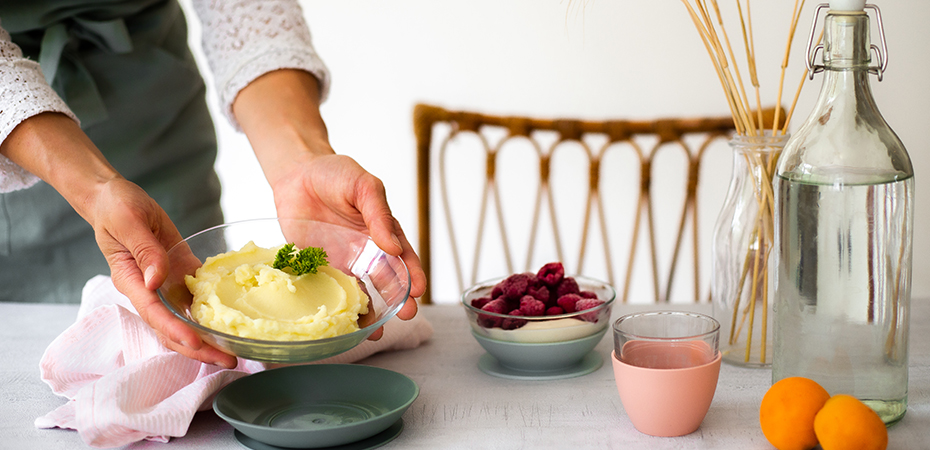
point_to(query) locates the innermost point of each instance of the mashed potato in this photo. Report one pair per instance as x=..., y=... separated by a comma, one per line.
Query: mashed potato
x=240, y=293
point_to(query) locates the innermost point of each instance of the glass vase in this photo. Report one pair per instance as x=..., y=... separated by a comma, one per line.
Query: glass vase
x=742, y=272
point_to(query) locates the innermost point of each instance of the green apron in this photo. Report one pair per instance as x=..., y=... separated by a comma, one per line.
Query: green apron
x=125, y=69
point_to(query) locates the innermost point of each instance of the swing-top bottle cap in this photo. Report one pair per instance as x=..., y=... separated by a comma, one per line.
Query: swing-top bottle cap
x=847, y=5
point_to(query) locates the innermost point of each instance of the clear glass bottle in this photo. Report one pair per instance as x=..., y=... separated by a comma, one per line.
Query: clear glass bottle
x=843, y=233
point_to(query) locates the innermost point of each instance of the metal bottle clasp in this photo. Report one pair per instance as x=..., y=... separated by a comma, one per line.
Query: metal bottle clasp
x=880, y=53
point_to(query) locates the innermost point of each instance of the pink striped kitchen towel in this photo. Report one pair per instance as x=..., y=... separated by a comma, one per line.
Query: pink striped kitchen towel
x=123, y=386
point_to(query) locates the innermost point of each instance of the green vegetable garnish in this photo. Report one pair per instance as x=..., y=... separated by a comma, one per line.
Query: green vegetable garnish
x=300, y=261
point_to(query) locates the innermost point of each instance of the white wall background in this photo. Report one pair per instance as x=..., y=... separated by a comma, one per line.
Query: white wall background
x=554, y=58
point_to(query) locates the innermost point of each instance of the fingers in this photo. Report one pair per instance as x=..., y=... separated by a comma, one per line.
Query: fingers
x=152, y=311
x=377, y=334
x=174, y=333
x=409, y=310
x=150, y=256
x=131, y=227
x=387, y=233
x=417, y=275
x=339, y=190
x=206, y=354
x=371, y=202
x=133, y=233
x=414, y=269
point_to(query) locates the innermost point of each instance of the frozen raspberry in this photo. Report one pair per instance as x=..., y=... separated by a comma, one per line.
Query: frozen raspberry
x=534, y=281
x=494, y=306
x=567, y=286
x=554, y=311
x=587, y=294
x=551, y=274
x=480, y=302
x=486, y=321
x=586, y=304
x=530, y=306
x=516, y=285
x=540, y=293
x=568, y=301
x=512, y=323
x=497, y=290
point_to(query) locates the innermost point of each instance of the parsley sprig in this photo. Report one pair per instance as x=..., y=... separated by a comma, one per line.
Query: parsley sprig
x=300, y=261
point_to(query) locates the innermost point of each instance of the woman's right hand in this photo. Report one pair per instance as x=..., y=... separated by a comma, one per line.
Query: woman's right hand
x=134, y=233
x=131, y=229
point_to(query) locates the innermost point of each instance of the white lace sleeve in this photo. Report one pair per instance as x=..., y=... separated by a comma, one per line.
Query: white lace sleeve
x=244, y=39
x=23, y=94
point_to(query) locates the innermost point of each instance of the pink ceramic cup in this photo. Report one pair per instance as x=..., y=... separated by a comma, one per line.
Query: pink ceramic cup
x=666, y=366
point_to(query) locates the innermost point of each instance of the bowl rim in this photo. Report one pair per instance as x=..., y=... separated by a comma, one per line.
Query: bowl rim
x=361, y=332
x=490, y=283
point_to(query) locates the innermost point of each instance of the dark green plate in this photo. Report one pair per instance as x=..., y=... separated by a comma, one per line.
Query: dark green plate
x=316, y=406
x=373, y=442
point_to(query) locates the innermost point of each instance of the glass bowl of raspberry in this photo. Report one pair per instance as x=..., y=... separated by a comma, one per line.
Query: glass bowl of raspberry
x=539, y=325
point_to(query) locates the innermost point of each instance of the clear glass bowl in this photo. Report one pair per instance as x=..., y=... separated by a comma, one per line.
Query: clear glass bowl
x=384, y=278
x=543, y=329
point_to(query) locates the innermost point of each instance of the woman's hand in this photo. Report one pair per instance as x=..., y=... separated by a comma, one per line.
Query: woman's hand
x=335, y=189
x=132, y=231
x=279, y=113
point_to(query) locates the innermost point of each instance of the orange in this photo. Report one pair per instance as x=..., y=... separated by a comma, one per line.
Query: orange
x=844, y=422
x=787, y=413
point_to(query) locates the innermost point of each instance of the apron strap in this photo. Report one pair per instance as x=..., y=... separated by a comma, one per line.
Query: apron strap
x=64, y=70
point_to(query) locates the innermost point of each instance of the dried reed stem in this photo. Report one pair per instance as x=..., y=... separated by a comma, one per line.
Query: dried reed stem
x=765, y=315
x=797, y=94
x=714, y=36
x=752, y=66
x=891, y=346
x=795, y=16
x=746, y=26
x=715, y=49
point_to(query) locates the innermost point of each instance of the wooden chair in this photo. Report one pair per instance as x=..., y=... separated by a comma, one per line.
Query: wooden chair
x=442, y=134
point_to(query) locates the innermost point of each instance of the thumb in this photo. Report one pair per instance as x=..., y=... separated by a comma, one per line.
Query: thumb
x=151, y=254
x=382, y=226
x=153, y=263
x=143, y=248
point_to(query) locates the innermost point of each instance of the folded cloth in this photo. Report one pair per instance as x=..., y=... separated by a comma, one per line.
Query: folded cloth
x=123, y=386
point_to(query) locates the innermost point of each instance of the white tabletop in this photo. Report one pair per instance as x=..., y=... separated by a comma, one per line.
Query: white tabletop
x=459, y=406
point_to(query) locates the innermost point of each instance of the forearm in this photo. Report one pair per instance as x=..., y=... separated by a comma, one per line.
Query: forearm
x=53, y=147
x=23, y=93
x=243, y=40
x=280, y=114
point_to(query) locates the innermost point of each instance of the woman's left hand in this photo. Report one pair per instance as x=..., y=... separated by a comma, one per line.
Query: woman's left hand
x=279, y=113
x=336, y=189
